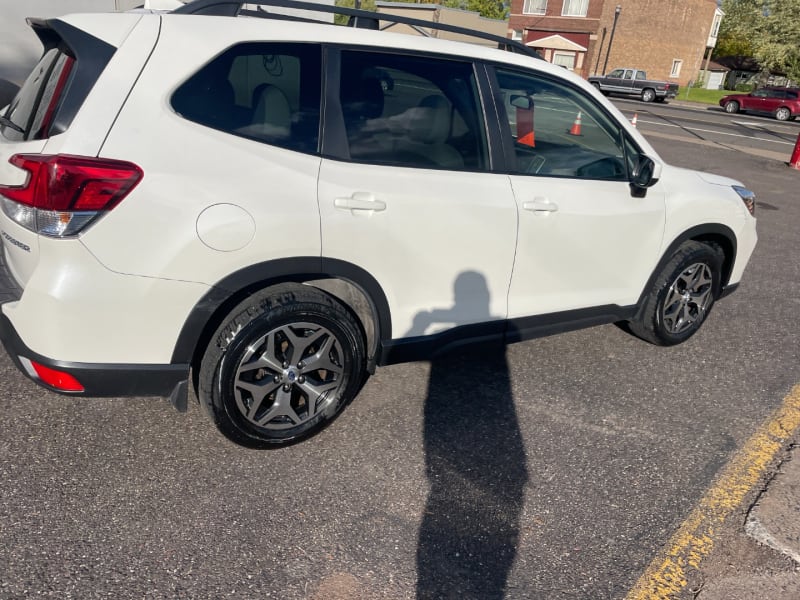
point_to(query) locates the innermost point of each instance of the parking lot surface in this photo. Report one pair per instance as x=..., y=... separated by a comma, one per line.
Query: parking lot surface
x=557, y=468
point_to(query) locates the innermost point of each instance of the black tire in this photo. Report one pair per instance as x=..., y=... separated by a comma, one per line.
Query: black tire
x=268, y=346
x=648, y=95
x=682, y=295
x=731, y=107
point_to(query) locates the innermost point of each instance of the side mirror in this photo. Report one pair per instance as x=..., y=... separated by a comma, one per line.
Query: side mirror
x=520, y=101
x=645, y=174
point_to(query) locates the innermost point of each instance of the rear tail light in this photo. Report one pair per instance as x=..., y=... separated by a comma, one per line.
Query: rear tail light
x=64, y=193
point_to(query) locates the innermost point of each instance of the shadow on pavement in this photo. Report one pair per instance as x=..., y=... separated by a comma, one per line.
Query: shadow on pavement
x=475, y=464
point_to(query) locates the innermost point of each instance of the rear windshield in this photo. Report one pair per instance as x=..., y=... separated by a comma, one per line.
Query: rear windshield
x=30, y=114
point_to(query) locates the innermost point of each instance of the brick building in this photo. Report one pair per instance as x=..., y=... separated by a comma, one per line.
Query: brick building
x=667, y=38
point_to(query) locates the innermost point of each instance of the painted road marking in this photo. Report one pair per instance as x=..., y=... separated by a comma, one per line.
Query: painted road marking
x=666, y=575
x=641, y=121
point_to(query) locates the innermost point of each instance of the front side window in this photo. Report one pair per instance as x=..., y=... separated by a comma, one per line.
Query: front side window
x=412, y=111
x=575, y=8
x=534, y=7
x=559, y=131
x=617, y=73
x=268, y=92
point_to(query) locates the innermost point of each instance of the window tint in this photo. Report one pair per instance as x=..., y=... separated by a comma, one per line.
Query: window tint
x=265, y=92
x=33, y=108
x=559, y=131
x=412, y=111
x=616, y=73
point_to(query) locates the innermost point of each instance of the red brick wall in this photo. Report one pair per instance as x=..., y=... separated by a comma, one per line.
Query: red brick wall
x=650, y=34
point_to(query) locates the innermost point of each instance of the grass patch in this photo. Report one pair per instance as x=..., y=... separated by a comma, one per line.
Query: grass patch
x=701, y=95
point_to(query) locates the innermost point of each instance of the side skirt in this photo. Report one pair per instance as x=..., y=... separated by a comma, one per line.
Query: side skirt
x=507, y=331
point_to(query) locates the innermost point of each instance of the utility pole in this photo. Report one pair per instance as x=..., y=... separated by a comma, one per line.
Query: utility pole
x=617, y=10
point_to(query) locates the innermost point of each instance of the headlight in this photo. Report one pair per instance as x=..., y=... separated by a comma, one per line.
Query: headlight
x=748, y=197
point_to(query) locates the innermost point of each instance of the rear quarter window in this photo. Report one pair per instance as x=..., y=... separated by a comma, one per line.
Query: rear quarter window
x=34, y=106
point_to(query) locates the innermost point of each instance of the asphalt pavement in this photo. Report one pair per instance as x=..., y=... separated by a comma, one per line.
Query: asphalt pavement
x=573, y=467
x=742, y=544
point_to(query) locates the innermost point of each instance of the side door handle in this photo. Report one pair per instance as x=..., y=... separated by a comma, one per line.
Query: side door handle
x=540, y=205
x=360, y=201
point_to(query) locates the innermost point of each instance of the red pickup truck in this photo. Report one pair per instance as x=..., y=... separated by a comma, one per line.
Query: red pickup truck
x=634, y=82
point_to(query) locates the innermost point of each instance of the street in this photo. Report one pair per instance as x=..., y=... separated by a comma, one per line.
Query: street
x=710, y=125
x=569, y=461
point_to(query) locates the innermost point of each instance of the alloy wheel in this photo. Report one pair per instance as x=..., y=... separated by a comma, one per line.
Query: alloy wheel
x=688, y=298
x=288, y=376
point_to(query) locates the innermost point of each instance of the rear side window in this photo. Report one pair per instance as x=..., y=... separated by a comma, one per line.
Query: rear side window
x=268, y=92
x=33, y=109
x=412, y=111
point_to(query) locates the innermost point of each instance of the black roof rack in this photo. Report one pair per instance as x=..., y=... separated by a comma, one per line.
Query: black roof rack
x=358, y=18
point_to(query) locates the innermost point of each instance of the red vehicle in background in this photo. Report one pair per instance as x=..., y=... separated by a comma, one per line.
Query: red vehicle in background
x=781, y=103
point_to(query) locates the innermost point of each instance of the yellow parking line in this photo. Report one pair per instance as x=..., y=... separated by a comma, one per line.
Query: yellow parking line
x=666, y=575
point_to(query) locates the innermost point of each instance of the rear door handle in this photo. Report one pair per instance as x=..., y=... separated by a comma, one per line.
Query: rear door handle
x=360, y=201
x=540, y=205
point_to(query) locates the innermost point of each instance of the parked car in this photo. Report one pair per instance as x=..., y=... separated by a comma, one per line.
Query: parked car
x=634, y=82
x=236, y=206
x=781, y=103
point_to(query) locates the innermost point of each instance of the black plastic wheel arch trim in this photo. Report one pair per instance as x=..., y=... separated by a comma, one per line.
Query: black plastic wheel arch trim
x=223, y=296
x=699, y=233
x=98, y=380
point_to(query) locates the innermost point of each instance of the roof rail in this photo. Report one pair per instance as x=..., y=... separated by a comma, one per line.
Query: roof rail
x=358, y=18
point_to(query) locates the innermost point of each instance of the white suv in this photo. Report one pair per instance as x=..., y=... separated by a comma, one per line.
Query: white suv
x=267, y=209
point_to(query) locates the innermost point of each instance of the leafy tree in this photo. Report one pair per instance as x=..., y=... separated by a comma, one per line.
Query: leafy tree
x=491, y=9
x=778, y=44
x=769, y=30
x=363, y=5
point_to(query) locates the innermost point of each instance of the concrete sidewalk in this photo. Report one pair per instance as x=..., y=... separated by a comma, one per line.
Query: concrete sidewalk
x=773, y=522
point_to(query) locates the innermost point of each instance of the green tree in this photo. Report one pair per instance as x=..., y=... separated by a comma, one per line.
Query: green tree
x=491, y=9
x=769, y=30
x=363, y=5
x=777, y=46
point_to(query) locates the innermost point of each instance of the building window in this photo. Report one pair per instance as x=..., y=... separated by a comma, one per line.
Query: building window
x=715, y=26
x=516, y=35
x=564, y=59
x=676, y=68
x=575, y=8
x=534, y=7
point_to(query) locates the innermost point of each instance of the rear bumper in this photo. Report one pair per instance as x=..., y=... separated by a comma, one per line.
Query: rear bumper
x=98, y=380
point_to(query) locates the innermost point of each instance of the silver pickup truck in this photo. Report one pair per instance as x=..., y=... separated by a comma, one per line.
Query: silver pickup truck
x=634, y=82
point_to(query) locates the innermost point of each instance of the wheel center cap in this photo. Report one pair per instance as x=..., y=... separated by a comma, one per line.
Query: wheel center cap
x=290, y=375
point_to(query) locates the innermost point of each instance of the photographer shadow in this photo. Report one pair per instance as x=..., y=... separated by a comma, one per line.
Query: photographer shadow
x=475, y=462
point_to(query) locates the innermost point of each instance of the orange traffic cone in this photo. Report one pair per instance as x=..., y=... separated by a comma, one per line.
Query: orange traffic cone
x=634, y=119
x=528, y=140
x=576, y=126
